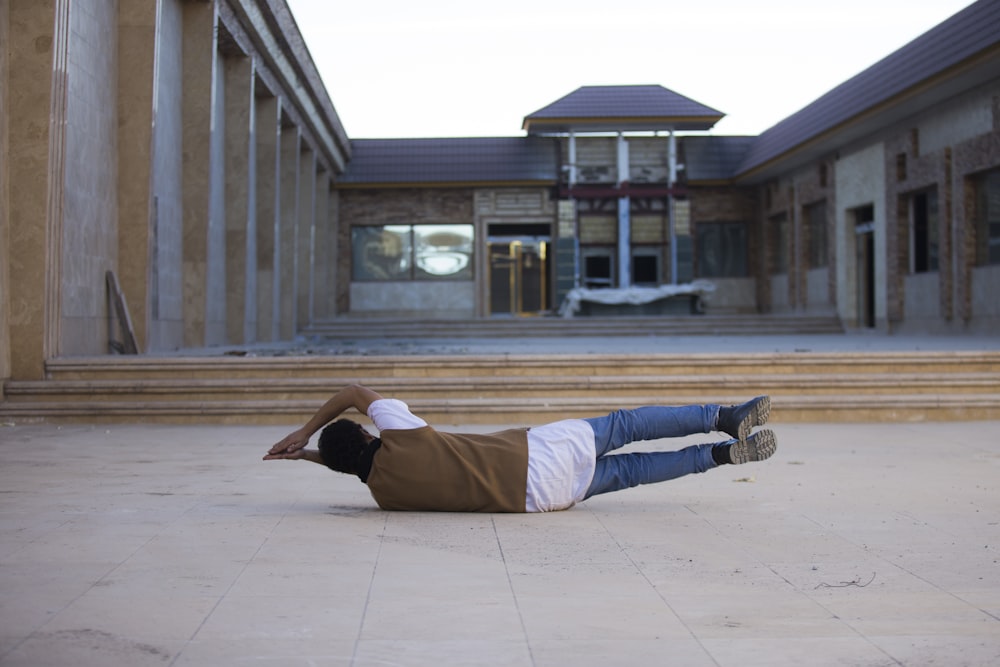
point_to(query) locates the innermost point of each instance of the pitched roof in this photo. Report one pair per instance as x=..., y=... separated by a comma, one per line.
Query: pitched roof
x=621, y=108
x=950, y=46
x=712, y=158
x=454, y=161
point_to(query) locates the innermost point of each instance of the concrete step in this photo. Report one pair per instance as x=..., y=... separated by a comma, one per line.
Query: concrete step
x=514, y=327
x=497, y=389
x=675, y=388
x=785, y=409
x=340, y=369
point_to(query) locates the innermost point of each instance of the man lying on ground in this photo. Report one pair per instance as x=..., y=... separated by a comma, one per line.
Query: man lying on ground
x=412, y=466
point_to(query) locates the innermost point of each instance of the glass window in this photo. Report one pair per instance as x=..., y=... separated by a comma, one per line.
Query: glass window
x=381, y=253
x=412, y=252
x=816, y=225
x=443, y=251
x=924, y=232
x=645, y=266
x=988, y=218
x=778, y=237
x=722, y=249
x=598, y=267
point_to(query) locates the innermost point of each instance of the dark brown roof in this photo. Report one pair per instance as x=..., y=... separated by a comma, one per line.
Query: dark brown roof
x=948, y=45
x=712, y=158
x=621, y=108
x=452, y=161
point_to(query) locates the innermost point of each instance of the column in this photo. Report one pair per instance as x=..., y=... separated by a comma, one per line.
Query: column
x=268, y=198
x=199, y=63
x=285, y=272
x=36, y=106
x=241, y=254
x=305, y=239
x=323, y=259
x=136, y=83
x=624, y=219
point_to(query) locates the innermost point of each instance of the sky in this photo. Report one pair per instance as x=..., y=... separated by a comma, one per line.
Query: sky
x=476, y=68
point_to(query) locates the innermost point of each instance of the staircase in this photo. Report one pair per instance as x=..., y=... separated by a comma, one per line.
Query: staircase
x=512, y=388
x=540, y=327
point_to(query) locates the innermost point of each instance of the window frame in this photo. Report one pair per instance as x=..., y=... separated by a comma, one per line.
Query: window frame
x=411, y=267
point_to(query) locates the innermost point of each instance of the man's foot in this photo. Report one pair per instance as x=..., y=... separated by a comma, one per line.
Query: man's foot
x=759, y=446
x=739, y=420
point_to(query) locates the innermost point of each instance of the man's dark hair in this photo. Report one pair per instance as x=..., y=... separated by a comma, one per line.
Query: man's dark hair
x=341, y=444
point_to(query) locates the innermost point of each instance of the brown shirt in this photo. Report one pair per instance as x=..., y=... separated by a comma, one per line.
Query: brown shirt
x=426, y=470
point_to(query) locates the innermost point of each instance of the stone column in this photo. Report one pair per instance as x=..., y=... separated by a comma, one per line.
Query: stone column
x=36, y=91
x=268, y=199
x=200, y=22
x=305, y=239
x=285, y=272
x=4, y=192
x=241, y=254
x=323, y=260
x=136, y=83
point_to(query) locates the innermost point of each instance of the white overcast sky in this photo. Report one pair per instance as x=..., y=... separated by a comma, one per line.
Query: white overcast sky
x=476, y=68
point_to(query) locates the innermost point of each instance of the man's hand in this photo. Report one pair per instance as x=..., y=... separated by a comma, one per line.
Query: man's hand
x=298, y=455
x=352, y=396
x=291, y=443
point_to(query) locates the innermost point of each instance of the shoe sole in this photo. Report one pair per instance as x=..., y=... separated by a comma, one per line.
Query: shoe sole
x=761, y=445
x=756, y=417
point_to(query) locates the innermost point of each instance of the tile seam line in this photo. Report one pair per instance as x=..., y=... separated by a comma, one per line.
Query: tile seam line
x=798, y=590
x=656, y=590
x=371, y=586
x=908, y=571
x=229, y=588
x=104, y=576
x=513, y=593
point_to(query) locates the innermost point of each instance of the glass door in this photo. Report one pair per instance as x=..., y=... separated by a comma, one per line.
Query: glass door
x=518, y=276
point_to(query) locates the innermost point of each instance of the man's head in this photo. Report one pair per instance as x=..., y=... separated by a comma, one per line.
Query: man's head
x=341, y=444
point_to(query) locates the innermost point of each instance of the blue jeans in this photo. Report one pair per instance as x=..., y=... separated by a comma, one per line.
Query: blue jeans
x=622, y=471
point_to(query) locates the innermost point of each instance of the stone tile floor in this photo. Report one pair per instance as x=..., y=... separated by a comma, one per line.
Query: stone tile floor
x=869, y=544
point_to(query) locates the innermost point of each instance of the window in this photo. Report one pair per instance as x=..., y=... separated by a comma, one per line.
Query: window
x=722, y=249
x=646, y=266
x=923, y=232
x=816, y=226
x=988, y=218
x=778, y=237
x=598, y=267
x=412, y=252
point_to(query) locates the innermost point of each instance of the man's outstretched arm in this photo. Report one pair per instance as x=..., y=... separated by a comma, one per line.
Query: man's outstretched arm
x=298, y=455
x=352, y=396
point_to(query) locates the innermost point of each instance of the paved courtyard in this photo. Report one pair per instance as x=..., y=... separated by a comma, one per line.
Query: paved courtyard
x=175, y=545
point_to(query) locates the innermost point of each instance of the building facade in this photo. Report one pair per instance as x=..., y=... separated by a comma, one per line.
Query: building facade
x=180, y=151
x=185, y=155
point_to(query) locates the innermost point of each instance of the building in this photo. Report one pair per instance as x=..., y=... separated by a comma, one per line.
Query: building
x=187, y=154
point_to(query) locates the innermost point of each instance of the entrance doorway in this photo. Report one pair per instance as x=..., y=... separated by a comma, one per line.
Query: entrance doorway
x=518, y=276
x=864, y=263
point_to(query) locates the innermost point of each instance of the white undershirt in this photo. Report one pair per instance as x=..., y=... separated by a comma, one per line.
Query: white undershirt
x=561, y=457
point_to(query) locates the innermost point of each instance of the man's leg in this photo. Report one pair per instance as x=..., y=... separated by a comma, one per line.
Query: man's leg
x=623, y=471
x=622, y=427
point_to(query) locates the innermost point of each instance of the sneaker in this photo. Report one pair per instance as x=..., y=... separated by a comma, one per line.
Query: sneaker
x=759, y=446
x=739, y=420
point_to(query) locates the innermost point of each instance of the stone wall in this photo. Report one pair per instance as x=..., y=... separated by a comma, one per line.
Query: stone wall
x=146, y=165
x=859, y=179
x=940, y=151
x=728, y=204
